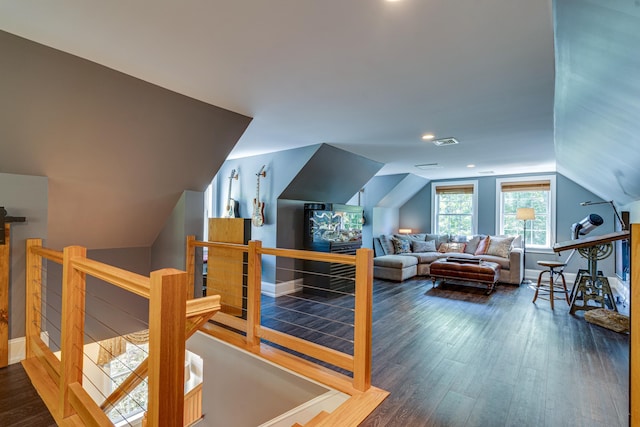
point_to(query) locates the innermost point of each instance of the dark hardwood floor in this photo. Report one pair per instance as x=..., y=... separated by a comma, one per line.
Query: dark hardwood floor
x=450, y=356
x=20, y=405
x=453, y=356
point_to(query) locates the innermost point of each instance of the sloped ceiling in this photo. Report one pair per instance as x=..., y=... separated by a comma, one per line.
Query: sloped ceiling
x=368, y=76
x=403, y=191
x=118, y=151
x=597, y=101
x=331, y=175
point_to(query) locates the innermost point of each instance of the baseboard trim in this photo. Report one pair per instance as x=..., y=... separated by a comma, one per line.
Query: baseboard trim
x=17, y=350
x=275, y=290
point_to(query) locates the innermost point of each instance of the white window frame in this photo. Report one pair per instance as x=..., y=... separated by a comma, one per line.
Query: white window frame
x=551, y=220
x=434, y=203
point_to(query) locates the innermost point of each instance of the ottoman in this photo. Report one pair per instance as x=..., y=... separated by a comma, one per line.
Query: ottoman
x=395, y=267
x=467, y=271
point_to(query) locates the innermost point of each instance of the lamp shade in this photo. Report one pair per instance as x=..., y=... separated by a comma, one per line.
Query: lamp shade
x=525, y=214
x=404, y=231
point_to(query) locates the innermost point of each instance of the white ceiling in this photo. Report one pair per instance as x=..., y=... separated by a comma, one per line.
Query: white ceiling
x=367, y=76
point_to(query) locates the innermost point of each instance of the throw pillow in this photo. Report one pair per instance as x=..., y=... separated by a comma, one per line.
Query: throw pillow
x=482, y=246
x=472, y=244
x=387, y=244
x=401, y=246
x=500, y=246
x=429, y=246
x=452, y=247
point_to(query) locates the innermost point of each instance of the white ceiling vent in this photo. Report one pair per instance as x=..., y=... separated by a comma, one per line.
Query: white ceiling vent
x=445, y=141
x=428, y=166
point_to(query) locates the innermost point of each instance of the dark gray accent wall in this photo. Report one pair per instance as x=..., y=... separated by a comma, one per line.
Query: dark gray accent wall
x=118, y=151
x=110, y=311
x=25, y=196
x=331, y=175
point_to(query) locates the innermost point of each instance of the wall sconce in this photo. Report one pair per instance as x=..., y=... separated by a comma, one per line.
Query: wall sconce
x=404, y=231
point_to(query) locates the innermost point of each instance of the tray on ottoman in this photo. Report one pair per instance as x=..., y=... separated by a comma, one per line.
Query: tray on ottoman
x=466, y=270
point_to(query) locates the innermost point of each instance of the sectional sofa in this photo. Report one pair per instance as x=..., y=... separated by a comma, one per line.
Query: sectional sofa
x=400, y=257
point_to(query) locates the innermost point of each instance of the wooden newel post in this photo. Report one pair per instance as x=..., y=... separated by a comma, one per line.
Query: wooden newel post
x=254, y=288
x=362, y=323
x=72, y=326
x=33, y=296
x=167, y=318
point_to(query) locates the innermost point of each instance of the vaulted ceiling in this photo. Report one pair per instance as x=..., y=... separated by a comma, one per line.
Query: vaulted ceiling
x=372, y=77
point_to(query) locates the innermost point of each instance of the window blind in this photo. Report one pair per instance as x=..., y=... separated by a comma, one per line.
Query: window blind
x=544, y=185
x=454, y=189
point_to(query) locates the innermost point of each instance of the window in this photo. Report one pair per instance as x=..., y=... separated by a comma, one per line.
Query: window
x=534, y=192
x=455, y=208
x=119, y=369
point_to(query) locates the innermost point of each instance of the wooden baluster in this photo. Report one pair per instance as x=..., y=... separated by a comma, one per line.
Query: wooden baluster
x=33, y=296
x=72, y=328
x=254, y=288
x=362, y=323
x=167, y=319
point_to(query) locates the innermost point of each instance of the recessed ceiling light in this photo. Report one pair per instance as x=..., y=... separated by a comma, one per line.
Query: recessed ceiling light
x=428, y=136
x=471, y=165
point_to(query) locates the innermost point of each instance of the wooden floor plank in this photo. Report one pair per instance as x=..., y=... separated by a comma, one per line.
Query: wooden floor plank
x=498, y=359
x=20, y=404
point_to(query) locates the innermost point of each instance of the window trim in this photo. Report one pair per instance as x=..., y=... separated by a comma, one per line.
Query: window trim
x=434, y=204
x=552, y=207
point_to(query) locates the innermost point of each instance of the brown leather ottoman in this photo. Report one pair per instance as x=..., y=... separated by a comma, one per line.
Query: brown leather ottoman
x=466, y=270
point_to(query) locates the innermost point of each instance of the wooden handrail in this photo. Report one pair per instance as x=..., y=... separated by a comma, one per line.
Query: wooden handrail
x=310, y=255
x=359, y=363
x=49, y=254
x=124, y=279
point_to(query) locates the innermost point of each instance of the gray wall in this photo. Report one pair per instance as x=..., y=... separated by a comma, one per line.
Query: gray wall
x=25, y=196
x=416, y=214
x=169, y=248
x=281, y=168
x=118, y=151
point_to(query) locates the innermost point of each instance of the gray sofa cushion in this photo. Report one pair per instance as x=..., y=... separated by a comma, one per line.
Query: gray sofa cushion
x=503, y=262
x=395, y=261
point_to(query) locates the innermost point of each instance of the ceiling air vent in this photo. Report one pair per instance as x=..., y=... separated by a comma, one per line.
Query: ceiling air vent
x=445, y=141
x=428, y=166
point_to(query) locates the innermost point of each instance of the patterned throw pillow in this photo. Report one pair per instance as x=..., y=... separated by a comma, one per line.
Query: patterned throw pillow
x=500, y=246
x=429, y=246
x=401, y=246
x=452, y=247
x=482, y=246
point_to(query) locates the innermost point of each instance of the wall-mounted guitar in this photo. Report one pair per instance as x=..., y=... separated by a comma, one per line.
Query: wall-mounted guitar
x=257, y=219
x=232, y=204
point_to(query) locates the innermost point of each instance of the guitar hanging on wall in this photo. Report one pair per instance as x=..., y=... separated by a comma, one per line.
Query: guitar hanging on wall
x=232, y=204
x=257, y=219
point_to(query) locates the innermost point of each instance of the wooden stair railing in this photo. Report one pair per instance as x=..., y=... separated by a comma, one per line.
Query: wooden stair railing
x=199, y=311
